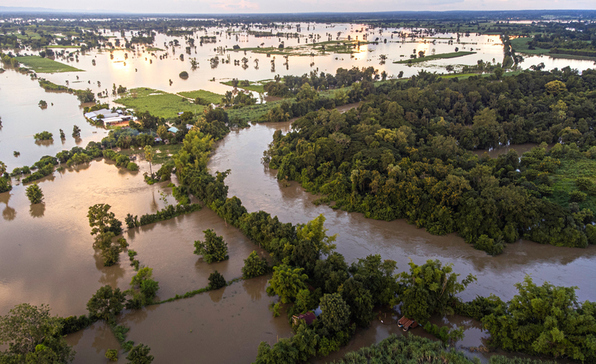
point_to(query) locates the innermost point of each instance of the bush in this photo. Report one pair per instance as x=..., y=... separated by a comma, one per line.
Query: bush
x=213, y=249
x=216, y=280
x=44, y=135
x=34, y=194
x=577, y=196
x=254, y=266
x=489, y=245
x=112, y=355
x=131, y=166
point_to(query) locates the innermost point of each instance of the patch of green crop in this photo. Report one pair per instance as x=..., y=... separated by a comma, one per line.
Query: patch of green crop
x=45, y=65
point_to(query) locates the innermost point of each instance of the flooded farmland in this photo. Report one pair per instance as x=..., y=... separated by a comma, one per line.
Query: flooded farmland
x=46, y=253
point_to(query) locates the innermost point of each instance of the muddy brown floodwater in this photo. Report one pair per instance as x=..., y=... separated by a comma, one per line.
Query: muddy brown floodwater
x=256, y=185
x=47, y=254
x=222, y=326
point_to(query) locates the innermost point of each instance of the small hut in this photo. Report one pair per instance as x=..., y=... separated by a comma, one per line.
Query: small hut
x=406, y=323
x=308, y=317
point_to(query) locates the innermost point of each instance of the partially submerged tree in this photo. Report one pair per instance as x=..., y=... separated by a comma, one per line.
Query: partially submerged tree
x=254, y=266
x=216, y=280
x=106, y=303
x=34, y=194
x=213, y=249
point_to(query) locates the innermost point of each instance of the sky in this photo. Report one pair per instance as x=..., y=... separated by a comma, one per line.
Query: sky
x=295, y=6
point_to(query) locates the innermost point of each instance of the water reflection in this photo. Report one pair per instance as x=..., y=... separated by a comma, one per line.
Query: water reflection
x=92, y=343
x=37, y=210
x=49, y=258
x=193, y=329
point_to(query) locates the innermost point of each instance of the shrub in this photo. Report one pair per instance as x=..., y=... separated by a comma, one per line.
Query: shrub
x=34, y=194
x=112, y=355
x=213, y=249
x=254, y=266
x=216, y=280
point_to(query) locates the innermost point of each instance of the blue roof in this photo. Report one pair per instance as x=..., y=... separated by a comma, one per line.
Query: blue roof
x=173, y=129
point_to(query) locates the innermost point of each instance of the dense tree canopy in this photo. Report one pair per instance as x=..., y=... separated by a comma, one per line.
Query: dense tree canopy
x=405, y=153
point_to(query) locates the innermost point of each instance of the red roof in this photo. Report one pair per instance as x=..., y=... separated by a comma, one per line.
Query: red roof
x=309, y=317
x=407, y=323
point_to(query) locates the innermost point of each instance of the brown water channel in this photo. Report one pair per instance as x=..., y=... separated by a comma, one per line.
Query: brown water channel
x=257, y=187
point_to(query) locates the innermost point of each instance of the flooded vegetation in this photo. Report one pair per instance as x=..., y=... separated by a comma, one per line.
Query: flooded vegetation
x=218, y=127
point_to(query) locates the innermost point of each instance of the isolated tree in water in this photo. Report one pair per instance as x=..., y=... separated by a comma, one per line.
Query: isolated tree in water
x=106, y=303
x=140, y=355
x=213, y=249
x=34, y=193
x=216, y=280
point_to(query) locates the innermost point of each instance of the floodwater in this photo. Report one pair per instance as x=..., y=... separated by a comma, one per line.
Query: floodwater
x=168, y=248
x=222, y=326
x=92, y=343
x=22, y=118
x=142, y=68
x=257, y=187
x=47, y=253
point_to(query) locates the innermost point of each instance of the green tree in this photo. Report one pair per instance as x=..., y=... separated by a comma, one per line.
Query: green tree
x=545, y=320
x=139, y=354
x=335, y=313
x=360, y=301
x=34, y=194
x=213, y=249
x=254, y=266
x=112, y=354
x=102, y=220
x=216, y=280
x=149, y=155
x=106, y=303
x=76, y=132
x=311, y=242
x=147, y=288
x=430, y=289
x=287, y=282
x=30, y=334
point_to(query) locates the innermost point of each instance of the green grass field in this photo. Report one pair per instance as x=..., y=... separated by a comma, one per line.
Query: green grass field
x=521, y=45
x=435, y=56
x=159, y=103
x=205, y=95
x=153, y=49
x=46, y=65
x=564, y=181
x=252, y=112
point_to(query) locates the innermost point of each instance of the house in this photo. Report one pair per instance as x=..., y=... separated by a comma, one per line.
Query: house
x=173, y=130
x=406, y=323
x=308, y=317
